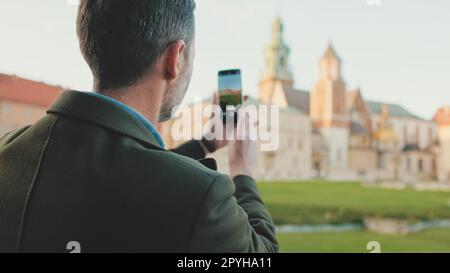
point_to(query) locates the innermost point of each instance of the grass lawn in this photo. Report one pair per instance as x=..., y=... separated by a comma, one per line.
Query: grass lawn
x=324, y=202
x=437, y=240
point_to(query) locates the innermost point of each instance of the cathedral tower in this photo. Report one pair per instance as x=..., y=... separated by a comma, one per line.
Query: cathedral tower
x=329, y=110
x=442, y=118
x=277, y=73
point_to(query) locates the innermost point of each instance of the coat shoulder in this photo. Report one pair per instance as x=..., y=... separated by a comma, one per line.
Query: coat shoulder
x=169, y=166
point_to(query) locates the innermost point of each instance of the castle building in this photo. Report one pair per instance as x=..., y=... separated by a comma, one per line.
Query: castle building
x=293, y=158
x=333, y=132
x=329, y=132
x=329, y=112
x=352, y=138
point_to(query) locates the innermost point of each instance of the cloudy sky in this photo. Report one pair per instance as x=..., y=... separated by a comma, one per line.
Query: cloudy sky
x=396, y=50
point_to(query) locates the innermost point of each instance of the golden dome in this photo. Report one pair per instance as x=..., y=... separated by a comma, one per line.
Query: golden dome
x=385, y=134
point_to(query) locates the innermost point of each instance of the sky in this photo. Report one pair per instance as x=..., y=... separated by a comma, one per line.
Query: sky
x=396, y=51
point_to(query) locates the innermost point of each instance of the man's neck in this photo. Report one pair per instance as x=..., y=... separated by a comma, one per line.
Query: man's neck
x=141, y=98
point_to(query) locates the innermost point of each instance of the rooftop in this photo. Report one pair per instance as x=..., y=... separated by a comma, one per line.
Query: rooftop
x=395, y=110
x=297, y=99
x=13, y=88
x=330, y=53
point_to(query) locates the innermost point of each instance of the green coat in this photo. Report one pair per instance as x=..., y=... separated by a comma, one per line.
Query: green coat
x=90, y=172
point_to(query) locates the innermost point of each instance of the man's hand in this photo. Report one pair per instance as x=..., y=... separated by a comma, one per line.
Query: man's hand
x=210, y=146
x=242, y=154
x=217, y=143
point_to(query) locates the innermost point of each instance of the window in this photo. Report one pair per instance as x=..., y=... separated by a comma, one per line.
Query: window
x=317, y=165
x=408, y=164
x=420, y=165
x=380, y=162
x=430, y=136
x=417, y=134
x=405, y=133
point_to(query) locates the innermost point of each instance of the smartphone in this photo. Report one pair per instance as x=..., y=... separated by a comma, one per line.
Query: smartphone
x=230, y=94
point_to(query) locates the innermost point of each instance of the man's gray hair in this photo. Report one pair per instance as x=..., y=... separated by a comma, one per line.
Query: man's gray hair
x=121, y=40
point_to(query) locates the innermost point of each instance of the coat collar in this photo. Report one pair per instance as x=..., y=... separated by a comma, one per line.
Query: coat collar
x=89, y=108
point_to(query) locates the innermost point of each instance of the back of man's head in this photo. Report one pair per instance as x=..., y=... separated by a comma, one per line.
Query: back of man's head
x=121, y=40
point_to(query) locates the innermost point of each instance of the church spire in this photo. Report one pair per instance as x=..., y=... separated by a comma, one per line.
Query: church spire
x=330, y=53
x=277, y=32
x=277, y=56
x=330, y=64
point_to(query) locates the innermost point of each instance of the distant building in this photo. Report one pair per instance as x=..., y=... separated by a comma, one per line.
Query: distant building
x=352, y=138
x=23, y=101
x=335, y=133
x=442, y=118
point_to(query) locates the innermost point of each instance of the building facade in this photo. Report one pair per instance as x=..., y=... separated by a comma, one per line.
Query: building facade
x=442, y=118
x=335, y=133
x=23, y=102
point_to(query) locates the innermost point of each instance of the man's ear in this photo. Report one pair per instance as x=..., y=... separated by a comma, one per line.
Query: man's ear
x=175, y=59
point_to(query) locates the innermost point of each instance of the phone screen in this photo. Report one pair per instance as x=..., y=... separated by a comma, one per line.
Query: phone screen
x=230, y=89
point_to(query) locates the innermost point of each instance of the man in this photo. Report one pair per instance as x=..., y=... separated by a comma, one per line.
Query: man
x=93, y=174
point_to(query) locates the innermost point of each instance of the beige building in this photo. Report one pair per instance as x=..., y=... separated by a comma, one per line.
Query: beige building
x=352, y=138
x=291, y=161
x=442, y=118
